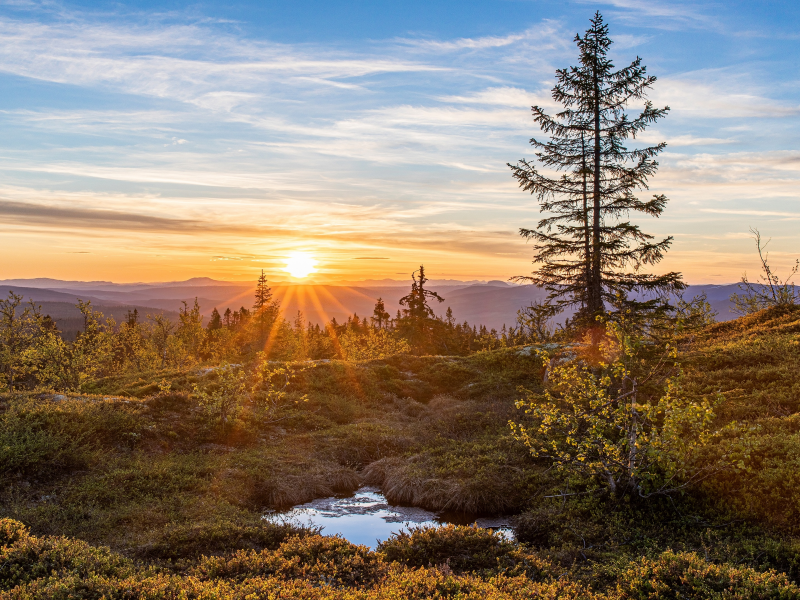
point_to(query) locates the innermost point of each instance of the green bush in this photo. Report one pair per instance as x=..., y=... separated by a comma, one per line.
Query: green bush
x=685, y=576
x=323, y=560
x=42, y=437
x=463, y=549
x=466, y=563
x=192, y=540
x=28, y=558
x=11, y=531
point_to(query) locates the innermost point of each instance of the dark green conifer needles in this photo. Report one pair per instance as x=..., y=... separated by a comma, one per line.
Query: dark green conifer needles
x=589, y=253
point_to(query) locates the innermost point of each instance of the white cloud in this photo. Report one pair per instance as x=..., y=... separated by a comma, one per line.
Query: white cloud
x=655, y=137
x=546, y=35
x=718, y=94
x=624, y=41
x=503, y=96
x=751, y=213
x=465, y=43
x=153, y=61
x=659, y=14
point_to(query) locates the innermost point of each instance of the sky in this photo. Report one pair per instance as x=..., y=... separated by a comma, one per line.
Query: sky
x=158, y=141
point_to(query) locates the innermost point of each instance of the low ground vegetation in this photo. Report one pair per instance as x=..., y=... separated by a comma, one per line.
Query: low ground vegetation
x=450, y=562
x=644, y=451
x=138, y=464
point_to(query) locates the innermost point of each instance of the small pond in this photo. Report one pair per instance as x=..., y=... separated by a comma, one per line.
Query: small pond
x=366, y=517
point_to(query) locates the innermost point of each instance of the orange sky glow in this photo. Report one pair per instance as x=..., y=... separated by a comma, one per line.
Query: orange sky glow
x=159, y=151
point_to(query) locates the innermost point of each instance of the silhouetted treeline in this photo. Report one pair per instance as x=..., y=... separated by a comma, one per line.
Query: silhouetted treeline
x=34, y=354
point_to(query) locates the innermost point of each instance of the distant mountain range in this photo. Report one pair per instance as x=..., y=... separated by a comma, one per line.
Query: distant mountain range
x=492, y=303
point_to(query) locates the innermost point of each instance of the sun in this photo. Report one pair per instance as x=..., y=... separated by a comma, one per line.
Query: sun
x=300, y=265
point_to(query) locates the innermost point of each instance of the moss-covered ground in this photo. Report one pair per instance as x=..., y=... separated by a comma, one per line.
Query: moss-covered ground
x=153, y=479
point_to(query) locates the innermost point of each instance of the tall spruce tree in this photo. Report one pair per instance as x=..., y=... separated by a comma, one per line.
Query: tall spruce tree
x=589, y=253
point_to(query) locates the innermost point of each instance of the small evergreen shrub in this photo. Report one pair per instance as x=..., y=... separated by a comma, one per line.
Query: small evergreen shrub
x=462, y=549
x=686, y=576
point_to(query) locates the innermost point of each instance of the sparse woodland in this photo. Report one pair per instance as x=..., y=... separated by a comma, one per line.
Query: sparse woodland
x=644, y=450
x=36, y=357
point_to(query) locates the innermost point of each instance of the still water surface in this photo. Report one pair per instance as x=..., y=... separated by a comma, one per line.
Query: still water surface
x=367, y=518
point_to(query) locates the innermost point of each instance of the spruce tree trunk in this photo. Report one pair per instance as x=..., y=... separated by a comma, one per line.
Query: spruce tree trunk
x=596, y=300
x=586, y=230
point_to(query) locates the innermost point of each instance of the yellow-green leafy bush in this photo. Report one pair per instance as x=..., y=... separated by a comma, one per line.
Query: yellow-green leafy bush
x=323, y=560
x=686, y=576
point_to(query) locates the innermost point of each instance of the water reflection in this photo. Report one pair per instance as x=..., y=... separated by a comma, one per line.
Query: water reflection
x=366, y=517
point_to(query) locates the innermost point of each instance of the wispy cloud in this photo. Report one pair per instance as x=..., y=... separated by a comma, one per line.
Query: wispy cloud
x=655, y=137
x=503, y=96
x=199, y=140
x=752, y=213
x=481, y=43
x=153, y=61
x=658, y=14
x=719, y=94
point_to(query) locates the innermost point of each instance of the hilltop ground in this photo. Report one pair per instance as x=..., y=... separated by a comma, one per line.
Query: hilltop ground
x=146, y=474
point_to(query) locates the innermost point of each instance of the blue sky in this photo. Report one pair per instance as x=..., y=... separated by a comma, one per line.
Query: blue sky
x=165, y=140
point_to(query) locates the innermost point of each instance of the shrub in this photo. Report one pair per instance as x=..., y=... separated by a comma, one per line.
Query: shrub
x=463, y=549
x=193, y=540
x=11, y=531
x=685, y=576
x=325, y=560
x=601, y=421
x=43, y=437
x=25, y=558
x=223, y=400
x=372, y=344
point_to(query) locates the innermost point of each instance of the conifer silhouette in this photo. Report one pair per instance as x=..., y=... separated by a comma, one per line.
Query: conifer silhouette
x=380, y=318
x=417, y=315
x=589, y=253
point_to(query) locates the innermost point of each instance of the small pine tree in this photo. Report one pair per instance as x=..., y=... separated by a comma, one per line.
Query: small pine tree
x=49, y=324
x=380, y=318
x=215, y=322
x=190, y=332
x=263, y=293
x=264, y=308
x=417, y=315
x=132, y=317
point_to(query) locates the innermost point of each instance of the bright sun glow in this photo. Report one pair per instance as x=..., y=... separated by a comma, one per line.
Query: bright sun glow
x=300, y=265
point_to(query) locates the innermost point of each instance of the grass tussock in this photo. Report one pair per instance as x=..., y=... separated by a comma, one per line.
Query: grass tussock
x=117, y=469
x=469, y=477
